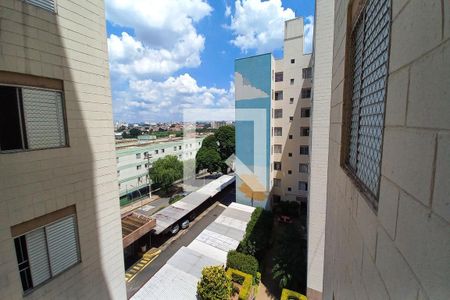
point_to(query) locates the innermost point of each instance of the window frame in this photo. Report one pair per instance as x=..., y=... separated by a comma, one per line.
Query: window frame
x=19, y=87
x=355, y=13
x=306, y=91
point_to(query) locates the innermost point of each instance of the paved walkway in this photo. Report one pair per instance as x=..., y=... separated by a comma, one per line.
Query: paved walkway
x=263, y=293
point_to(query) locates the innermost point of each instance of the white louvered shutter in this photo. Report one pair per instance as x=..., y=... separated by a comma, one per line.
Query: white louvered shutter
x=62, y=244
x=45, y=4
x=44, y=118
x=37, y=255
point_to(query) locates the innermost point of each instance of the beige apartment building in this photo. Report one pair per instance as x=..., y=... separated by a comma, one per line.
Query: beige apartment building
x=60, y=233
x=290, y=118
x=388, y=208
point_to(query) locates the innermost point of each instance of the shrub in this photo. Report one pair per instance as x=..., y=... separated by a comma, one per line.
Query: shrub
x=246, y=285
x=215, y=284
x=257, y=234
x=242, y=262
x=257, y=279
x=288, y=295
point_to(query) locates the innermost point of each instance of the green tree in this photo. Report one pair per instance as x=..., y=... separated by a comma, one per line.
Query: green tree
x=214, y=284
x=208, y=158
x=134, y=132
x=226, y=137
x=290, y=260
x=165, y=171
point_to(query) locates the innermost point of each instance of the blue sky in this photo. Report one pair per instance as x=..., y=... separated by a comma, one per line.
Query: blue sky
x=169, y=55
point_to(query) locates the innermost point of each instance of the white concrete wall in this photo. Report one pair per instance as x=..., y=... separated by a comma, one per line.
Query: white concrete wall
x=402, y=251
x=320, y=128
x=71, y=46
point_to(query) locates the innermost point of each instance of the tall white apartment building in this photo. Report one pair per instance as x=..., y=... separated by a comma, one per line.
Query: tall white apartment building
x=60, y=233
x=281, y=88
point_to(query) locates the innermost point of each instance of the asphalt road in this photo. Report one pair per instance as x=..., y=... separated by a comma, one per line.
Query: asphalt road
x=192, y=232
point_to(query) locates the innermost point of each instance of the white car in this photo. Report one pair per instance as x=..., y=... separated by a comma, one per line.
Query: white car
x=185, y=224
x=175, y=228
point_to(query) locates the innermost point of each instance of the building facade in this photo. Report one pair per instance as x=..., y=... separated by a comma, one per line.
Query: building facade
x=134, y=161
x=320, y=128
x=60, y=233
x=388, y=212
x=276, y=93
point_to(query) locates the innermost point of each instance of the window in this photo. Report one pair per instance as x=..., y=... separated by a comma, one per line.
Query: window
x=278, y=113
x=292, y=61
x=44, y=4
x=276, y=198
x=291, y=118
x=179, y=147
x=277, y=131
x=292, y=81
x=306, y=93
x=307, y=73
x=278, y=95
x=156, y=151
x=277, y=148
x=304, y=131
x=289, y=189
x=118, y=172
x=305, y=112
x=276, y=182
x=290, y=136
x=138, y=155
x=304, y=150
x=278, y=76
x=277, y=165
x=290, y=154
x=145, y=154
x=175, y=148
x=46, y=251
x=303, y=186
x=369, y=56
x=291, y=100
x=31, y=118
x=117, y=160
x=303, y=168
x=138, y=167
x=289, y=171
x=162, y=150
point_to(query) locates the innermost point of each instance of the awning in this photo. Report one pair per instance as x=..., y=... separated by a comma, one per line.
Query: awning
x=135, y=226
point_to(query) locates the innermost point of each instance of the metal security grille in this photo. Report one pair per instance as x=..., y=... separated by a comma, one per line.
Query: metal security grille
x=370, y=41
x=45, y=4
x=44, y=118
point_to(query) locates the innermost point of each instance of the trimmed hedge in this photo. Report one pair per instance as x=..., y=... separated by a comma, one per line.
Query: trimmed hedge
x=246, y=285
x=289, y=294
x=257, y=234
x=242, y=262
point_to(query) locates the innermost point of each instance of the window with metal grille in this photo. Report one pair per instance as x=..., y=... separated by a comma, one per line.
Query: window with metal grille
x=278, y=95
x=277, y=165
x=304, y=131
x=304, y=150
x=370, y=54
x=47, y=251
x=305, y=112
x=277, y=131
x=306, y=93
x=277, y=113
x=31, y=118
x=307, y=73
x=303, y=186
x=44, y=4
x=278, y=76
x=276, y=182
x=303, y=168
x=277, y=148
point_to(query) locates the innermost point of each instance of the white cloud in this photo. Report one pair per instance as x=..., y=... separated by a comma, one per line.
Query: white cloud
x=156, y=100
x=259, y=24
x=244, y=90
x=309, y=34
x=165, y=39
x=227, y=11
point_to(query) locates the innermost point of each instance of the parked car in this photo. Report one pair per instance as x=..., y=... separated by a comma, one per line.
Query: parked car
x=175, y=228
x=185, y=224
